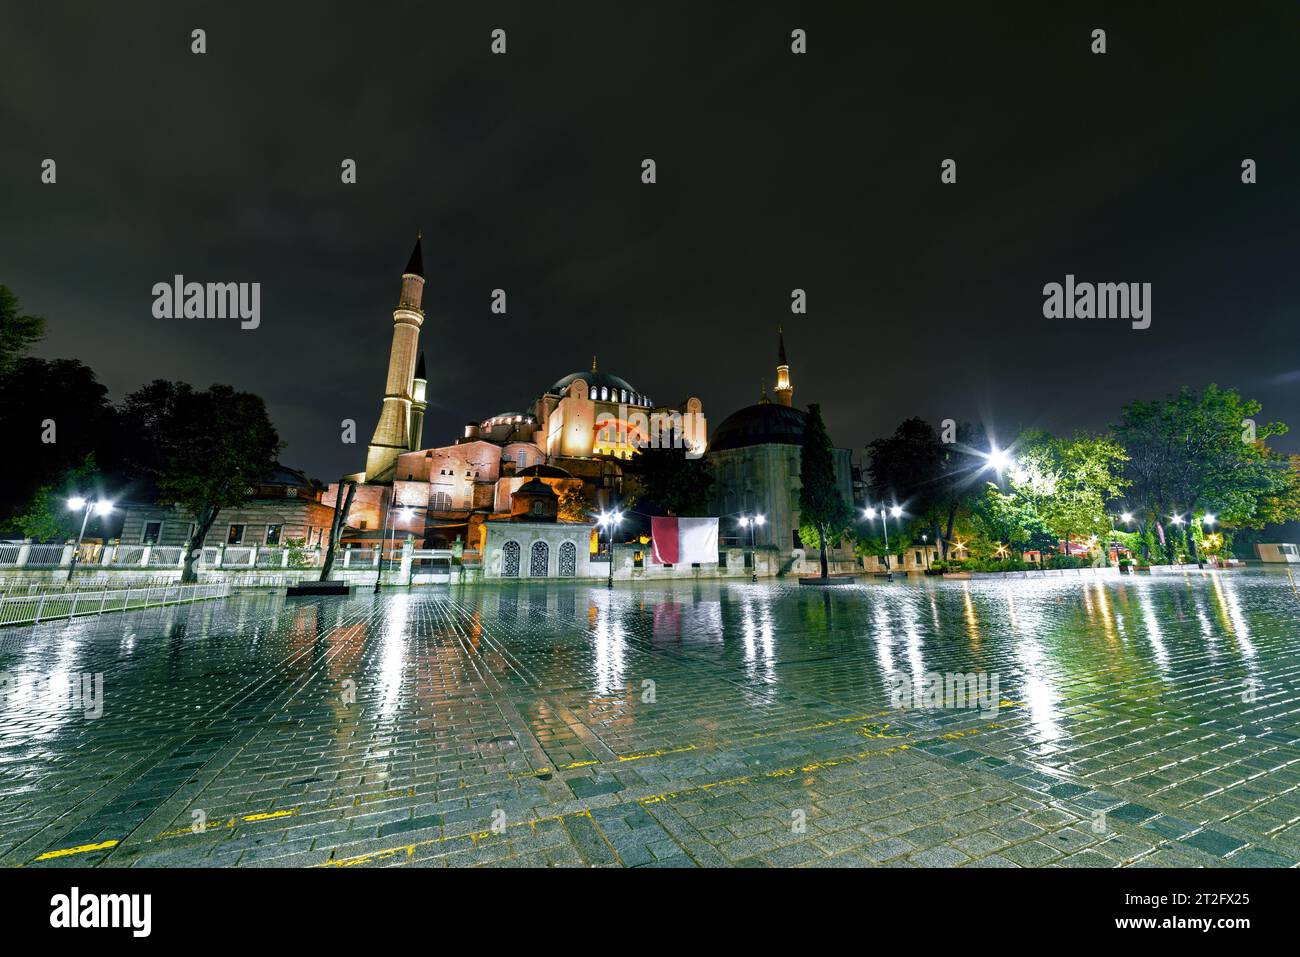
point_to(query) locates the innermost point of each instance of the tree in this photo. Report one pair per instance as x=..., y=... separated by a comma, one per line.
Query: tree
x=53, y=413
x=933, y=480
x=1012, y=520
x=342, y=505
x=667, y=478
x=1196, y=452
x=820, y=502
x=574, y=504
x=46, y=517
x=1068, y=483
x=205, y=449
x=18, y=332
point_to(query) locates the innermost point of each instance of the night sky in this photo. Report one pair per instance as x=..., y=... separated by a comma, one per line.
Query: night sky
x=775, y=171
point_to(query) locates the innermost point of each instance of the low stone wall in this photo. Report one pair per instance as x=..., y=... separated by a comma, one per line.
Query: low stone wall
x=1089, y=572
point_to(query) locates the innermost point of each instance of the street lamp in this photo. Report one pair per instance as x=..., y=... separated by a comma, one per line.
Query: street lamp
x=1126, y=518
x=404, y=512
x=1209, y=520
x=609, y=520
x=751, y=524
x=101, y=507
x=925, y=548
x=869, y=513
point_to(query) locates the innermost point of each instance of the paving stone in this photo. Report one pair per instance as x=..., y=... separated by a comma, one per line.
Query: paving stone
x=538, y=717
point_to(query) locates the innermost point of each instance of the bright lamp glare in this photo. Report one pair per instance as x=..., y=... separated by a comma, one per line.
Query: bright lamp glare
x=76, y=502
x=744, y=521
x=1176, y=519
x=1126, y=517
x=1209, y=520
x=998, y=460
x=869, y=513
x=103, y=507
x=759, y=519
x=896, y=511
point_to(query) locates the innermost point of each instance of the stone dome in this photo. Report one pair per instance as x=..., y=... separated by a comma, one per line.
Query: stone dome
x=767, y=423
x=595, y=380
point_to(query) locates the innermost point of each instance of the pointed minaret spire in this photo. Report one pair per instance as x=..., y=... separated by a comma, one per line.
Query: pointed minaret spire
x=762, y=393
x=784, y=390
x=415, y=265
x=393, y=433
x=593, y=363
x=419, y=386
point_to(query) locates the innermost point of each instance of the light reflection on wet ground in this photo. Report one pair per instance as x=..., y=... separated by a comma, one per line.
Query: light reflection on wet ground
x=1144, y=721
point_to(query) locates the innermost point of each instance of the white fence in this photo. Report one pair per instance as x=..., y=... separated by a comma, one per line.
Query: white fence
x=30, y=609
x=36, y=555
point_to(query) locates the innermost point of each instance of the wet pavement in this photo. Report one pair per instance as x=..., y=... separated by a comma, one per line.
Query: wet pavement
x=1146, y=721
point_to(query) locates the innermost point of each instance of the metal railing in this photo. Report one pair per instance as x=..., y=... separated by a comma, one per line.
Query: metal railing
x=31, y=609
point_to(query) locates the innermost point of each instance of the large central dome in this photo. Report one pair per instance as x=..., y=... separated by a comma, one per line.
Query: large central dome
x=767, y=423
x=592, y=379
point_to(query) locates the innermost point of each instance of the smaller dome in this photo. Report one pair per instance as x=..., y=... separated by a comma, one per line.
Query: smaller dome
x=761, y=424
x=535, y=486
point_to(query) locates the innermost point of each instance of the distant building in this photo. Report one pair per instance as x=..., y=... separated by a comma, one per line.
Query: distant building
x=577, y=434
x=285, y=505
x=756, y=455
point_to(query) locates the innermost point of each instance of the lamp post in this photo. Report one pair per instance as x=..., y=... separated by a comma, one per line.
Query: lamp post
x=870, y=513
x=383, y=541
x=925, y=548
x=751, y=524
x=609, y=520
x=100, y=507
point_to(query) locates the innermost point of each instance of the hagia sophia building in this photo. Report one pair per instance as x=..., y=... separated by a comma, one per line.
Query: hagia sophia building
x=575, y=439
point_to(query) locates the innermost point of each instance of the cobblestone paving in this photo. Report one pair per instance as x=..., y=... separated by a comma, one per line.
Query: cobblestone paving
x=1144, y=722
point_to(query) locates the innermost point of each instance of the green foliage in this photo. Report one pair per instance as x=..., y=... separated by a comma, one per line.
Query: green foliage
x=1012, y=520
x=575, y=506
x=297, y=552
x=1068, y=482
x=64, y=393
x=667, y=478
x=204, y=449
x=820, y=502
x=1193, y=452
x=47, y=518
x=933, y=480
x=18, y=332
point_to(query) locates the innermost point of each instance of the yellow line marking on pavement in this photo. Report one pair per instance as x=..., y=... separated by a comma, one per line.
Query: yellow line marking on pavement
x=81, y=849
x=475, y=836
x=233, y=822
x=361, y=799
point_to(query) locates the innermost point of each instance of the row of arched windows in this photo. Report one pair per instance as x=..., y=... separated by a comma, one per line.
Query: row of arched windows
x=539, y=560
x=605, y=394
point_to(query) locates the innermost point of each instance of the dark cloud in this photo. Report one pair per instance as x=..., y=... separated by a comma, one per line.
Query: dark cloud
x=775, y=172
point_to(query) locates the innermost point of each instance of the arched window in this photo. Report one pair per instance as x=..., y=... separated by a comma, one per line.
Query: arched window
x=439, y=501
x=539, y=559
x=568, y=560
x=510, y=560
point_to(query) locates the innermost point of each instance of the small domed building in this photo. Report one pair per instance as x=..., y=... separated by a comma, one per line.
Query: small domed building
x=755, y=454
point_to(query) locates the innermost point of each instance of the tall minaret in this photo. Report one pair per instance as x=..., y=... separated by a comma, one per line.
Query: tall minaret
x=418, y=404
x=784, y=391
x=392, y=432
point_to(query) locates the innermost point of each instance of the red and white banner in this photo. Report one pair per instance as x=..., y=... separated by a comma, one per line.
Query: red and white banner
x=683, y=541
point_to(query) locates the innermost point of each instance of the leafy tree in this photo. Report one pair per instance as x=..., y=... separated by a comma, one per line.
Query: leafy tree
x=47, y=518
x=1069, y=482
x=575, y=506
x=53, y=413
x=18, y=332
x=204, y=449
x=667, y=478
x=820, y=502
x=1012, y=520
x=931, y=479
x=1196, y=452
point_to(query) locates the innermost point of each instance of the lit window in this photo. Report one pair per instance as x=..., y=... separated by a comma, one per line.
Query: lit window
x=236, y=535
x=273, y=534
x=152, y=532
